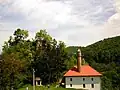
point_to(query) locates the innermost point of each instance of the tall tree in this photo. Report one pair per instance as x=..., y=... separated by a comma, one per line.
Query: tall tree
x=20, y=48
x=11, y=72
x=50, y=59
x=46, y=55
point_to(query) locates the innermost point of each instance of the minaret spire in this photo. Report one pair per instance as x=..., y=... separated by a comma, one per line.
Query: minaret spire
x=79, y=60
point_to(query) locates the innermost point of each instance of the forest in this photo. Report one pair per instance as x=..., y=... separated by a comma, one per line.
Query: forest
x=51, y=59
x=104, y=56
x=20, y=55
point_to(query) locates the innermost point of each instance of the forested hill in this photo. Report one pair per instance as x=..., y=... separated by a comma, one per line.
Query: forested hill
x=106, y=43
x=51, y=59
x=104, y=51
x=105, y=57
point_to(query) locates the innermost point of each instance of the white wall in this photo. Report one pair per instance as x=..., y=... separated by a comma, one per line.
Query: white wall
x=77, y=82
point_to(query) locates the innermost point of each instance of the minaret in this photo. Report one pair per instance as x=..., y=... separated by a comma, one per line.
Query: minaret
x=79, y=61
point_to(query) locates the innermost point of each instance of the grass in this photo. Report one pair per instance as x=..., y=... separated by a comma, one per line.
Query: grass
x=42, y=88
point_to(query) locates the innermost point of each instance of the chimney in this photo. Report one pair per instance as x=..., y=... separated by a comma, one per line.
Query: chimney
x=79, y=60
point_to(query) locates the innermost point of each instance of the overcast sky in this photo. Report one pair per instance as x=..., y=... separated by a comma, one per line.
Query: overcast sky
x=76, y=22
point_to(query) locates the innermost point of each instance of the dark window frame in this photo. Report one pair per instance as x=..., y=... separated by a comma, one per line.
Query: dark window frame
x=83, y=79
x=70, y=85
x=70, y=79
x=92, y=85
x=83, y=85
x=92, y=79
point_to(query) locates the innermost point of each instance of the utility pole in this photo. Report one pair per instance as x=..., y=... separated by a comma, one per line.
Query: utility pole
x=33, y=79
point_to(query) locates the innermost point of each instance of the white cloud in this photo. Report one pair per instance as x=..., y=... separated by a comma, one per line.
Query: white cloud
x=112, y=27
x=3, y=1
x=74, y=21
x=117, y=4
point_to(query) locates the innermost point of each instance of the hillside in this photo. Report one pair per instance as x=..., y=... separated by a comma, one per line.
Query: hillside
x=104, y=51
x=105, y=57
x=51, y=59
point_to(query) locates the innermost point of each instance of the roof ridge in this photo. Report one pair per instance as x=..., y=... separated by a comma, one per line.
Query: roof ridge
x=86, y=70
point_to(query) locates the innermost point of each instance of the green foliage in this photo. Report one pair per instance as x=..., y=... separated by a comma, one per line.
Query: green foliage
x=16, y=49
x=47, y=56
x=72, y=49
x=44, y=88
x=20, y=34
x=10, y=72
x=50, y=58
x=104, y=56
x=42, y=34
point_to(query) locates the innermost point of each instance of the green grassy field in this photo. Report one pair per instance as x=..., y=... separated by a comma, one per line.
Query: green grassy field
x=43, y=88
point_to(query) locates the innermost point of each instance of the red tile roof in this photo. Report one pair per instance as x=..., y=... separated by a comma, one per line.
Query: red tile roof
x=86, y=70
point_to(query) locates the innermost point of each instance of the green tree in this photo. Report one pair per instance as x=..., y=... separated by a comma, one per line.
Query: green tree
x=50, y=58
x=104, y=57
x=11, y=72
x=20, y=48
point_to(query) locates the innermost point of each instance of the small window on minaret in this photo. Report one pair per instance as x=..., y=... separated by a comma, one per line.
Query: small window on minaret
x=70, y=79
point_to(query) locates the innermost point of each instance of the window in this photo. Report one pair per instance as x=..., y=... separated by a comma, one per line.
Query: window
x=83, y=79
x=83, y=85
x=92, y=79
x=70, y=79
x=38, y=82
x=70, y=85
x=92, y=85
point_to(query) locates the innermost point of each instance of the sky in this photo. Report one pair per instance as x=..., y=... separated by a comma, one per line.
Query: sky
x=76, y=22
